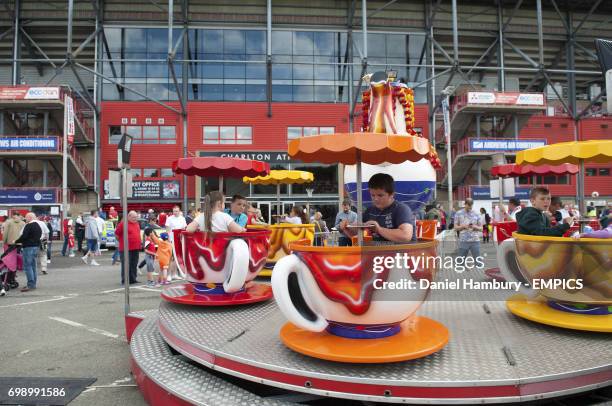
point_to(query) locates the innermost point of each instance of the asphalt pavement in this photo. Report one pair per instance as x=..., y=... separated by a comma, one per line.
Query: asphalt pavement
x=72, y=326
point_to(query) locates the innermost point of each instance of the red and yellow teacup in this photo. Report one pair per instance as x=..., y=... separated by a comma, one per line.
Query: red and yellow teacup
x=221, y=262
x=561, y=269
x=339, y=289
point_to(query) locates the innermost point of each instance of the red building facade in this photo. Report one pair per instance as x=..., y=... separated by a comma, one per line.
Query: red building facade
x=155, y=148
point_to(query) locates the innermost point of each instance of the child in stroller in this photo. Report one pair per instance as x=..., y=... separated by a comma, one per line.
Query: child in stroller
x=8, y=268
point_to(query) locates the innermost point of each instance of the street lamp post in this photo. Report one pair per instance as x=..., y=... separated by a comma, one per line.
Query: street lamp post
x=123, y=160
x=446, y=93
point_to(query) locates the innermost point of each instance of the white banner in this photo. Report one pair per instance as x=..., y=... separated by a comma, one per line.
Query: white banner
x=42, y=93
x=506, y=98
x=69, y=115
x=446, y=115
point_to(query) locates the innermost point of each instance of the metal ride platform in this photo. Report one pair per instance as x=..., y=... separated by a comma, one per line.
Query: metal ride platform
x=492, y=357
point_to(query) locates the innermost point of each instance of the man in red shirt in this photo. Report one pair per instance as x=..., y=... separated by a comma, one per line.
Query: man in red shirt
x=134, y=244
x=66, y=227
x=161, y=219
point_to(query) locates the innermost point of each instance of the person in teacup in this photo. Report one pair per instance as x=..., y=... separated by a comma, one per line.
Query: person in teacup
x=214, y=218
x=387, y=218
x=533, y=221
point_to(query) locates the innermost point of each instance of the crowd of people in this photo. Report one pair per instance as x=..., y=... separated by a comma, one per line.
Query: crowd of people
x=386, y=219
x=544, y=215
x=31, y=236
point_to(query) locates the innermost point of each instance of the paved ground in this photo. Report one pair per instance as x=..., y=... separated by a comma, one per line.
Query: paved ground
x=40, y=337
x=72, y=326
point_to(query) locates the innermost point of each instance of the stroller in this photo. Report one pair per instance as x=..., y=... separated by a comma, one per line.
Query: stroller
x=9, y=262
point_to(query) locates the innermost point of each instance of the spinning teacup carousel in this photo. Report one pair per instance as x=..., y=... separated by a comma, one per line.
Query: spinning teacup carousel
x=339, y=306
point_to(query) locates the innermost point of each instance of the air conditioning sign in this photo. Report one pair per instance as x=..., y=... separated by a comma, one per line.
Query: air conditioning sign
x=490, y=145
x=8, y=143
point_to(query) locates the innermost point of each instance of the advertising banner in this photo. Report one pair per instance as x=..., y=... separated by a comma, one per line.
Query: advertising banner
x=69, y=118
x=484, y=193
x=506, y=98
x=446, y=115
x=17, y=197
x=149, y=190
x=29, y=93
x=8, y=142
x=483, y=144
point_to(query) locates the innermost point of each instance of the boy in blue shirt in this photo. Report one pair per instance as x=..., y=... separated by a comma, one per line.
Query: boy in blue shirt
x=389, y=219
x=236, y=210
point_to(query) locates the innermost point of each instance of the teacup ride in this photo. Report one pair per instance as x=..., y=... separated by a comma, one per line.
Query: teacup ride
x=571, y=280
x=503, y=230
x=283, y=234
x=219, y=267
x=339, y=307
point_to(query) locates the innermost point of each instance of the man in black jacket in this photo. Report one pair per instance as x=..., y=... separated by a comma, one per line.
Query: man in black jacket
x=30, y=240
x=533, y=221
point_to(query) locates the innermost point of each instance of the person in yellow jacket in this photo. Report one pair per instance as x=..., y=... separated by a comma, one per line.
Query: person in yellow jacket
x=12, y=229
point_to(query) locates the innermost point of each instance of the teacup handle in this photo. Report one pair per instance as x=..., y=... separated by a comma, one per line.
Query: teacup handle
x=238, y=260
x=508, y=266
x=289, y=295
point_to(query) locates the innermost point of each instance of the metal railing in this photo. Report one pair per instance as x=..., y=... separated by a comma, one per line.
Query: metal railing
x=78, y=161
x=79, y=111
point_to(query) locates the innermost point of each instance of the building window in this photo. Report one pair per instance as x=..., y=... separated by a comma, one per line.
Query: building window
x=150, y=135
x=297, y=132
x=167, y=134
x=294, y=132
x=144, y=134
x=326, y=179
x=135, y=131
x=591, y=172
x=231, y=63
x=211, y=135
x=552, y=180
x=227, y=135
x=604, y=171
x=150, y=173
x=115, y=133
